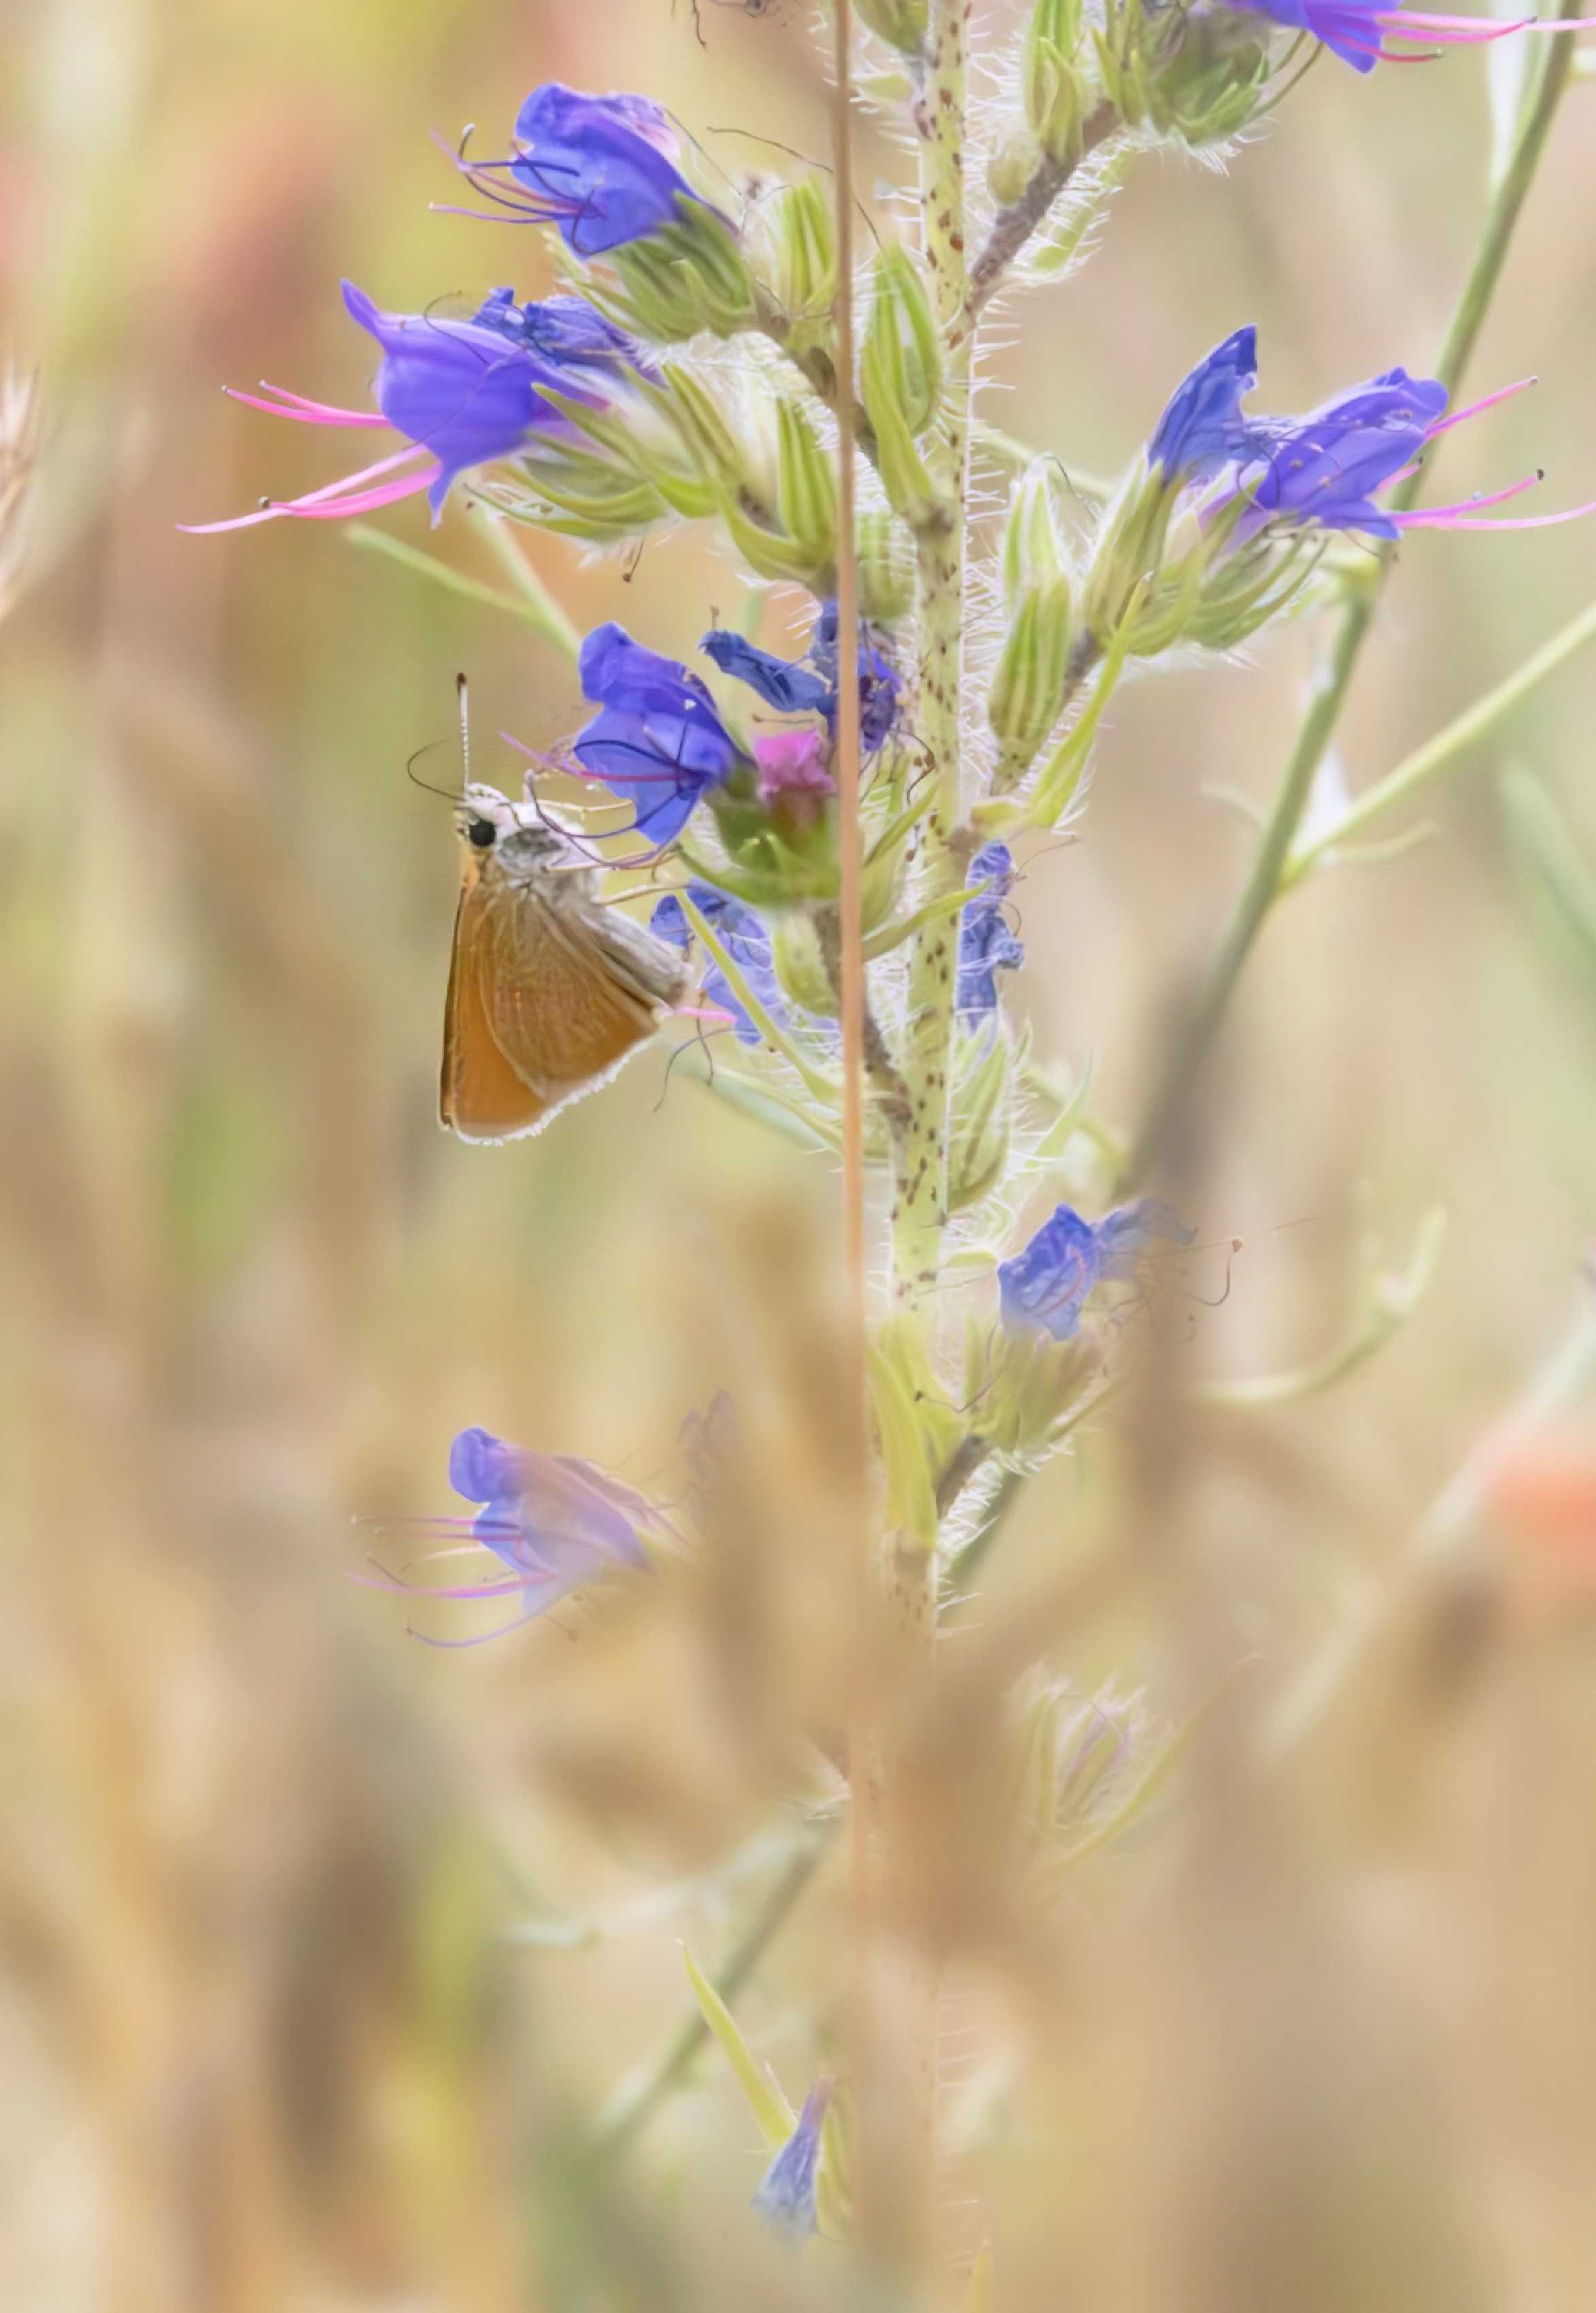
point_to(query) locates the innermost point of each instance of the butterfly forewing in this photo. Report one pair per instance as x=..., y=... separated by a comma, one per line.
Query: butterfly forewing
x=544, y=1005
x=480, y=1096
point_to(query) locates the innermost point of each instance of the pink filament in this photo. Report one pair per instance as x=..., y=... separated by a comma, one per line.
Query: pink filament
x=1451, y=32
x=332, y=501
x=1502, y=393
x=452, y=1589
x=304, y=412
x=1462, y=517
x=1476, y=28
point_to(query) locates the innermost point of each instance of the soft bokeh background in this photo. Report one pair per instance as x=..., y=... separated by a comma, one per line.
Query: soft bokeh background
x=263, y=2040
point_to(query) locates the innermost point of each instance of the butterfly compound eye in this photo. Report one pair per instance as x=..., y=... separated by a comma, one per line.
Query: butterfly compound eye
x=481, y=832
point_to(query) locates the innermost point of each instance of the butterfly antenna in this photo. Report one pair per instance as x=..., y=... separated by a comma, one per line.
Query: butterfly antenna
x=465, y=730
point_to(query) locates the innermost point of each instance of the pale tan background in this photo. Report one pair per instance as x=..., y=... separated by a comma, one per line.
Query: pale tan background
x=258, y=2045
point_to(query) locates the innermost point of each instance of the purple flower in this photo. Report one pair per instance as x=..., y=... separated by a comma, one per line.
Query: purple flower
x=602, y=169
x=987, y=945
x=1358, y=30
x=565, y=331
x=878, y=681
x=746, y=940
x=786, y=684
x=785, y=2200
x=794, y=779
x=1202, y=429
x=1325, y=467
x=556, y=1523
x=656, y=740
x=1322, y=471
x=461, y=394
x=1045, y=1287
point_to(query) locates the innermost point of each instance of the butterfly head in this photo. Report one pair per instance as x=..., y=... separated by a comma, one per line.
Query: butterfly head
x=513, y=834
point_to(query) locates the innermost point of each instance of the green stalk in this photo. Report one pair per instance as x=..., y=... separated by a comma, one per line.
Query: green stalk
x=1463, y=731
x=920, y=1186
x=1334, y=678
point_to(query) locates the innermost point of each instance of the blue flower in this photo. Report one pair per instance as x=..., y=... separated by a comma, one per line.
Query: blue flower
x=786, y=2199
x=602, y=169
x=1202, y=429
x=459, y=391
x=878, y=681
x=657, y=740
x=462, y=393
x=1358, y=30
x=987, y=945
x=564, y=331
x=1325, y=468
x=1045, y=1287
x=555, y=1520
x=746, y=939
x=786, y=684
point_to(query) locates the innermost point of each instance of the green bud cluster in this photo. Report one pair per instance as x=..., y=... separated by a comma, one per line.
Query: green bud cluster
x=984, y=1065
x=901, y=24
x=900, y=375
x=1196, y=75
x=791, y=250
x=1160, y=580
x=1056, y=93
x=678, y=282
x=1032, y=682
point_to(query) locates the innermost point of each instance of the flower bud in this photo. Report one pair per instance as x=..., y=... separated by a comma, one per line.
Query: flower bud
x=798, y=541
x=917, y=1428
x=1054, y=91
x=799, y=967
x=792, y=253
x=1129, y=548
x=1033, y=553
x=1025, y=1387
x=689, y=276
x=1029, y=688
x=886, y=559
x=901, y=24
x=978, y=1141
x=1015, y=159
x=900, y=378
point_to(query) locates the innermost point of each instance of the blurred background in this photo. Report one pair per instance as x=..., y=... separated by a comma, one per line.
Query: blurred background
x=324, y=1952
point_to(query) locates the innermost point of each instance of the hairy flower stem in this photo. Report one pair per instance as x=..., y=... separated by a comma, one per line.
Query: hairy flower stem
x=920, y=1187
x=1266, y=878
x=1013, y=226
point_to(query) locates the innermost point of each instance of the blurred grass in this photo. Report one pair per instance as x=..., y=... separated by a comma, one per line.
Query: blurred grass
x=261, y=2049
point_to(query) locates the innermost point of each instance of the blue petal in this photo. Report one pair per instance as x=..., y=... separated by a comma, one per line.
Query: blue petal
x=785, y=2198
x=483, y=1467
x=785, y=684
x=1199, y=431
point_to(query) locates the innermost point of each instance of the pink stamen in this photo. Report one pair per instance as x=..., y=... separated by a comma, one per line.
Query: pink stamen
x=331, y=500
x=1502, y=393
x=1462, y=518
x=455, y=1645
x=304, y=412
x=1473, y=26
x=452, y=1589
x=704, y=1012
x=365, y=502
x=1451, y=32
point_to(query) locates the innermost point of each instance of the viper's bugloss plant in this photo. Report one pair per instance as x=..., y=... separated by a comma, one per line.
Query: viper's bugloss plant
x=690, y=370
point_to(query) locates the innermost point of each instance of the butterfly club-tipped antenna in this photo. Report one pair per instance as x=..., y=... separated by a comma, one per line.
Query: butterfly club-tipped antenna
x=462, y=699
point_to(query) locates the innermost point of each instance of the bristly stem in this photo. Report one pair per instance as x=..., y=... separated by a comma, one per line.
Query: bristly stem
x=1013, y=226
x=1334, y=678
x=920, y=1188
